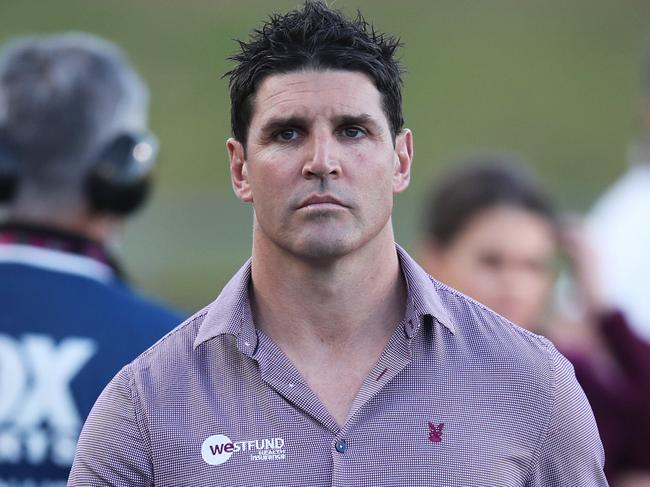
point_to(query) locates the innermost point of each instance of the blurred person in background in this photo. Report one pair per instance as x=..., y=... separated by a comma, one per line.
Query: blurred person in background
x=75, y=160
x=619, y=225
x=492, y=233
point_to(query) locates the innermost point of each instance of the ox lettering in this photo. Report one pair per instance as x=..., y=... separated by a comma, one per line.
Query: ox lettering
x=39, y=420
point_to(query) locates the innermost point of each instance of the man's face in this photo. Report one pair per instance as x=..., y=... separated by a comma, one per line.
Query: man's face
x=320, y=166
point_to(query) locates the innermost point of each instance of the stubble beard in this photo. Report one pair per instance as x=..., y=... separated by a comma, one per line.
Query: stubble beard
x=327, y=245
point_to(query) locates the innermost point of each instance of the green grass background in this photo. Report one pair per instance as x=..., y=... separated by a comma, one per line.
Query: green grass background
x=554, y=80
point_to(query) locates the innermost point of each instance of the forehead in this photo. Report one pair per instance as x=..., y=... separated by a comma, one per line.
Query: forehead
x=515, y=229
x=312, y=94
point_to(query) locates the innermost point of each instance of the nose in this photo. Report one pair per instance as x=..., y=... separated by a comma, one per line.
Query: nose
x=322, y=161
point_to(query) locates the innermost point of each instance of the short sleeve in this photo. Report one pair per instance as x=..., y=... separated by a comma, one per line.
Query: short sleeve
x=112, y=448
x=571, y=452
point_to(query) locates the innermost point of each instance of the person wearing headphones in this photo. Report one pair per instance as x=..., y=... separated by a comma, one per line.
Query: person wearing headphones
x=76, y=159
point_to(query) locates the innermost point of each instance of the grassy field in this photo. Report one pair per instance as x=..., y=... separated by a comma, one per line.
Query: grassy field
x=556, y=81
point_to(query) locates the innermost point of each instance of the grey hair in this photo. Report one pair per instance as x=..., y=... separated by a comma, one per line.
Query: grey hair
x=61, y=98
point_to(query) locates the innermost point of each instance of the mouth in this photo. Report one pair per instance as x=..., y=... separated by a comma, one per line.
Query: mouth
x=321, y=201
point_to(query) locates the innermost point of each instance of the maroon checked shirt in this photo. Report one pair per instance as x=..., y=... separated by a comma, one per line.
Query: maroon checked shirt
x=459, y=398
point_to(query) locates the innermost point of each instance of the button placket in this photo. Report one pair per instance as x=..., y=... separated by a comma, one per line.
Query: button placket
x=341, y=460
x=397, y=356
x=281, y=375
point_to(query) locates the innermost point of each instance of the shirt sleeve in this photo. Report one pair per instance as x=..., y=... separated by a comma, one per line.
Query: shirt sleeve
x=571, y=452
x=113, y=447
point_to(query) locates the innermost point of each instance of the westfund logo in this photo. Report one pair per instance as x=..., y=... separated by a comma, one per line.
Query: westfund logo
x=217, y=449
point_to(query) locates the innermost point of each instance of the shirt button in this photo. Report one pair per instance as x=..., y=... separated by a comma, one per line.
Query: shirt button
x=341, y=446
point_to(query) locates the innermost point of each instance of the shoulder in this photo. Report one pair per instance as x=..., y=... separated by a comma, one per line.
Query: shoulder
x=138, y=304
x=498, y=351
x=482, y=328
x=524, y=374
x=85, y=304
x=175, y=349
x=125, y=311
x=182, y=356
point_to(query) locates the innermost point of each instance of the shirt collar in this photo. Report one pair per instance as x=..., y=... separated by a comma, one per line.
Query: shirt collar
x=423, y=295
x=231, y=314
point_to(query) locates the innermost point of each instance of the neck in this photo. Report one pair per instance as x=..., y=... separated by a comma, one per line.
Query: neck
x=341, y=303
x=100, y=228
x=45, y=235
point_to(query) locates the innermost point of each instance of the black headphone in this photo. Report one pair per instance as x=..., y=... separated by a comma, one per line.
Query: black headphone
x=119, y=178
x=8, y=169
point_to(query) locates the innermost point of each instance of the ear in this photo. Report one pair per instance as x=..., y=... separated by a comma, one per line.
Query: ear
x=239, y=170
x=403, y=160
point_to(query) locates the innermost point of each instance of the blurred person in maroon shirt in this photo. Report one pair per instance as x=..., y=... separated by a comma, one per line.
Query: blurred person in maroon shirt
x=492, y=233
x=619, y=229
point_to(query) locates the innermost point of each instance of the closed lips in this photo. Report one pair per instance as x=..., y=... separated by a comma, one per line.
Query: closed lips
x=320, y=199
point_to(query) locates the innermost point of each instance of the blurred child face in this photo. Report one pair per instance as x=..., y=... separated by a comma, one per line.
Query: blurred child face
x=502, y=258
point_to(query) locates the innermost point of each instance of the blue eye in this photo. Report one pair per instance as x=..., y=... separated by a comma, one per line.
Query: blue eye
x=288, y=134
x=353, y=132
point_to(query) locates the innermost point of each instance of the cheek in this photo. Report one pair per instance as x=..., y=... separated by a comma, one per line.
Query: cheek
x=540, y=288
x=371, y=168
x=269, y=184
x=483, y=283
x=468, y=275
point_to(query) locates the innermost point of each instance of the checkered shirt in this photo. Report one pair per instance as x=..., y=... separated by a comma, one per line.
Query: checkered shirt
x=459, y=398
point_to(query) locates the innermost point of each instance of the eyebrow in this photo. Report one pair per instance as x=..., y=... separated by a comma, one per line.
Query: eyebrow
x=277, y=123
x=362, y=119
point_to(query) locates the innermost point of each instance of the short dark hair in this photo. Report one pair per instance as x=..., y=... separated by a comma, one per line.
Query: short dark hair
x=314, y=37
x=480, y=183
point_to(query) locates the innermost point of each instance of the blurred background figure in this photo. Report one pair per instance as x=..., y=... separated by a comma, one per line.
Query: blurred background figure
x=75, y=160
x=492, y=233
x=619, y=224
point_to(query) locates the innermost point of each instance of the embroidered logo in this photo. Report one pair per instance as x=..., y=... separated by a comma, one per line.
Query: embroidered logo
x=435, y=432
x=218, y=449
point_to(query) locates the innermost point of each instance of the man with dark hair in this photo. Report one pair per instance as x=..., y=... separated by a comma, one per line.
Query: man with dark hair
x=331, y=358
x=71, y=109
